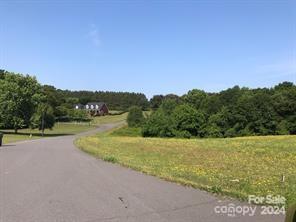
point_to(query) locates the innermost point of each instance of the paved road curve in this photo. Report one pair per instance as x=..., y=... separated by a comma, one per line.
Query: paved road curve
x=49, y=180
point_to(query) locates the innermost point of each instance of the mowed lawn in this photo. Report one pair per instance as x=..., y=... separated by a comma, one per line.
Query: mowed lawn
x=234, y=166
x=60, y=129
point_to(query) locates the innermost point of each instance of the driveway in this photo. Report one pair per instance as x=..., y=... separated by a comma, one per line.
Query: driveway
x=50, y=180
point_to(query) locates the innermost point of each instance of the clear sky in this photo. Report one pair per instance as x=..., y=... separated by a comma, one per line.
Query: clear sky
x=154, y=47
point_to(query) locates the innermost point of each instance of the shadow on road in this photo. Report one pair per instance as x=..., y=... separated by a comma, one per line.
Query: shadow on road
x=39, y=134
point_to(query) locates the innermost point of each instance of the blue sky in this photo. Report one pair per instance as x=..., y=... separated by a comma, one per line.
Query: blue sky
x=154, y=47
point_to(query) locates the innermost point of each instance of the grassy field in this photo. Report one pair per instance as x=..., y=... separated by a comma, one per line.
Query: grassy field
x=109, y=119
x=235, y=166
x=126, y=131
x=60, y=129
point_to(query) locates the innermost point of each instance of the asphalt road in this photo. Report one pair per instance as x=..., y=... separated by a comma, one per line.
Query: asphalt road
x=50, y=180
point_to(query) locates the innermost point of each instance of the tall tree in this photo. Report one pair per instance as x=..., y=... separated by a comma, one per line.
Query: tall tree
x=43, y=118
x=156, y=101
x=19, y=96
x=196, y=98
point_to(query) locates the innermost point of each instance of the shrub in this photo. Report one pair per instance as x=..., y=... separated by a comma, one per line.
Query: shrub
x=292, y=125
x=135, y=117
x=158, y=124
x=230, y=132
x=168, y=106
x=282, y=128
x=189, y=120
x=213, y=131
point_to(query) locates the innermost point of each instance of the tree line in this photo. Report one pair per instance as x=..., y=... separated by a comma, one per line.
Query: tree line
x=114, y=100
x=26, y=103
x=229, y=113
x=23, y=103
x=233, y=112
x=63, y=101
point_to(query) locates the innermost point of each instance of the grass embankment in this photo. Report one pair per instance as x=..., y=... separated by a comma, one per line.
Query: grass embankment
x=60, y=129
x=236, y=167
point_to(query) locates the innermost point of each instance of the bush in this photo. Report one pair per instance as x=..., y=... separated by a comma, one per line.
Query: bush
x=292, y=125
x=230, y=133
x=189, y=120
x=135, y=117
x=158, y=124
x=168, y=106
x=282, y=128
x=182, y=121
x=213, y=131
x=79, y=115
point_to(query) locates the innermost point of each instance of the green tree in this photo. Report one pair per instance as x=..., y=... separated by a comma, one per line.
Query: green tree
x=292, y=124
x=78, y=115
x=196, y=98
x=2, y=71
x=156, y=101
x=135, y=117
x=168, y=106
x=61, y=111
x=211, y=104
x=43, y=118
x=188, y=120
x=218, y=124
x=19, y=96
x=256, y=106
x=114, y=100
x=158, y=124
x=232, y=112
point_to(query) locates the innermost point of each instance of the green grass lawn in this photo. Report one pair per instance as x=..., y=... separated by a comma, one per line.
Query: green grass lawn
x=61, y=129
x=234, y=166
x=126, y=131
x=109, y=119
x=116, y=112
